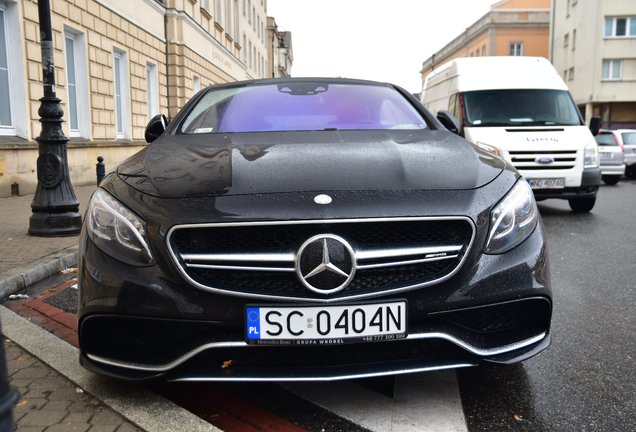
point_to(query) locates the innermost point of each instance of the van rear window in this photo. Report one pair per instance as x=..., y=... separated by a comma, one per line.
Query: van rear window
x=520, y=107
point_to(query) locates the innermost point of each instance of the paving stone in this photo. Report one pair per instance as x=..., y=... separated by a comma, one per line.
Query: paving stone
x=104, y=428
x=34, y=372
x=79, y=417
x=68, y=427
x=50, y=382
x=29, y=404
x=56, y=405
x=42, y=418
x=127, y=427
x=31, y=428
x=106, y=417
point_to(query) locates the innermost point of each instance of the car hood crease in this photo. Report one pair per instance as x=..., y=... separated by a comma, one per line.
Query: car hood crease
x=262, y=163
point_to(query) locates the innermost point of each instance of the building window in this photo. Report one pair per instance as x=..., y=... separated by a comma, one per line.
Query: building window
x=611, y=70
x=483, y=50
x=571, y=74
x=76, y=83
x=205, y=5
x=218, y=11
x=196, y=84
x=244, y=48
x=6, y=113
x=620, y=26
x=566, y=40
x=573, y=39
x=228, y=17
x=152, y=87
x=516, y=48
x=244, y=8
x=122, y=101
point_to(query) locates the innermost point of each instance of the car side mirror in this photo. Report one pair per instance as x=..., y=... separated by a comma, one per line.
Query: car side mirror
x=595, y=125
x=156, y=126
x=449, y=121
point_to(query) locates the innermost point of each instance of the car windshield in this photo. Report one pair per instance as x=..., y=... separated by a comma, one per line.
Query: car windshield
x=301, y=106
x=606, y=139
x=529, y=107
x=629, y=138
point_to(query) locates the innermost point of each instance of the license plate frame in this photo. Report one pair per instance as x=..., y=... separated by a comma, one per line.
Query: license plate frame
x=547, y=183
x=324, y=324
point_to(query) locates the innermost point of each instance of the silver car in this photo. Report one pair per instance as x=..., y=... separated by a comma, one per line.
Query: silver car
x=627, y=138
x=611, y=155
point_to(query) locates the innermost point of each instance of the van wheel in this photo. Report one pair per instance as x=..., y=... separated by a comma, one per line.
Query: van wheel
x=610, y=179
x=581, y=205
x=631, y=171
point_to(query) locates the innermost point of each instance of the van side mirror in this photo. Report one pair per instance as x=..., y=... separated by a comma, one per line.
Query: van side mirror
x=595, y=125
x=156, y=126
x=449, y=121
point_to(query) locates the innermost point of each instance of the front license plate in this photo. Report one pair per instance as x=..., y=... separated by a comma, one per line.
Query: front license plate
x=325, y=325
x=546, y=183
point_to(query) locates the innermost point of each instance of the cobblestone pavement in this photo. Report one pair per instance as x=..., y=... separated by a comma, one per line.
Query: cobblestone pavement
x=18, y=248
x=51, y=403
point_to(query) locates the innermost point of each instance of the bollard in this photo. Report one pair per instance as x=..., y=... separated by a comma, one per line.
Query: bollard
x=100, y=169
x=8, y=395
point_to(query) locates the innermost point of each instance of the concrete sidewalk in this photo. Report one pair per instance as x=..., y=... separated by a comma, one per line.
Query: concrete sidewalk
x=56, y=394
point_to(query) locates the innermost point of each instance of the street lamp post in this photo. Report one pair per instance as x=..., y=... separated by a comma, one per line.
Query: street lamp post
x=55, y=209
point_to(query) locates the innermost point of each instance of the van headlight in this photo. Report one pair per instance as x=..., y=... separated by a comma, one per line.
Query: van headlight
x=513, y=219
x=590, y=155
x=117, y=230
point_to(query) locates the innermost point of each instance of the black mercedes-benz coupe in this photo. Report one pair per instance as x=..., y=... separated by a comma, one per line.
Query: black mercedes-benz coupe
x=309, y=229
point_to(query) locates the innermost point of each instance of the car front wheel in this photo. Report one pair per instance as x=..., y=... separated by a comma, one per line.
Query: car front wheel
x=580, y=205
x=610, y=179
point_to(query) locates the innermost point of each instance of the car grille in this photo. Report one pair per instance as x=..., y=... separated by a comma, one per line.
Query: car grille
x=527, y=160
x=259, y=259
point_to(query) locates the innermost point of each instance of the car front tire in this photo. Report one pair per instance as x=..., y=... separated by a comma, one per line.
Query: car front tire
x=610, y=179
x=581, y=205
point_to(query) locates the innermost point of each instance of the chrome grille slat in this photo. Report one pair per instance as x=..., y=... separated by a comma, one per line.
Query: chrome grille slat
x=391, y=255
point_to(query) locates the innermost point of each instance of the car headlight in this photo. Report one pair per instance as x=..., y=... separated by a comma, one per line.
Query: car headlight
x=117, y=230
x=590, y=155
x=512, y=220
x=489, y=148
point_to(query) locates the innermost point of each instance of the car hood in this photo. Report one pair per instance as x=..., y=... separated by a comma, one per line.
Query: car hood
x=273, y=162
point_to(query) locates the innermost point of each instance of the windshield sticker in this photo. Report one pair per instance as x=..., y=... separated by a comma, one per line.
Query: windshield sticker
x=204, y=130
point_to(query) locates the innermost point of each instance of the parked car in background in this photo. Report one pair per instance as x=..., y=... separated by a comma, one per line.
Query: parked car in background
x=627, y=137
x=611, y=155
x=309, y=229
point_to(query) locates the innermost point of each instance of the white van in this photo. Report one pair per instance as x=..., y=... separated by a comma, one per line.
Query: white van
x=520, y=109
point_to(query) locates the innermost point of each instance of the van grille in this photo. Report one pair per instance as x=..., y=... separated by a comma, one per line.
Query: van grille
x=530, y=160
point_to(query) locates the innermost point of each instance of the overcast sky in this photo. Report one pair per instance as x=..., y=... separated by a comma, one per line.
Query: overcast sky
x=372, y=39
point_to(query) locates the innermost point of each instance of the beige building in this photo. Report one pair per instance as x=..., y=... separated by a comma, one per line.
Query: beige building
x=593, y=44
x=118, y=63
x=510, y=28
x=279, y=50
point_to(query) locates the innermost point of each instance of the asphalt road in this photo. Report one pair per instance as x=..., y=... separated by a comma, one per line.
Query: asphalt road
x=586, y=380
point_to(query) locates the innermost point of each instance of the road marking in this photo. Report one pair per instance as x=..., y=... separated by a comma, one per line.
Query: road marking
x=424, y=402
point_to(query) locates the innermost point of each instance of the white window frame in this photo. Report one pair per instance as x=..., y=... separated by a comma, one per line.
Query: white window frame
x=78, y=39
x=17, y=88
x=152, y=89
x=122, y=110
x=629, y=21
x=611, y=66
x=512, y=49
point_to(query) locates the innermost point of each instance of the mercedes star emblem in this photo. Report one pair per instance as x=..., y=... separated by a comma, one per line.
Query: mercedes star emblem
x=325, y=263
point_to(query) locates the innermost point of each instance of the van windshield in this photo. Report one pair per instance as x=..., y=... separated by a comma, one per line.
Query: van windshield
x=527, y=107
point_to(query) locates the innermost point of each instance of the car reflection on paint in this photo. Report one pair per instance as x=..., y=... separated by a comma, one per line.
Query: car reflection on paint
x=309, y=229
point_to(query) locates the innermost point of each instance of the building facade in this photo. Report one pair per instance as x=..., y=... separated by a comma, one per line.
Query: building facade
x=593, y=44
x=510, y=28
x=117, y=63
x=279, y=50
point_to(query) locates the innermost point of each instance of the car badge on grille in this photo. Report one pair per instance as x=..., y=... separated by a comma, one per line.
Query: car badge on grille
x=544, y=160
x=322, y=199
x=325, y=263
